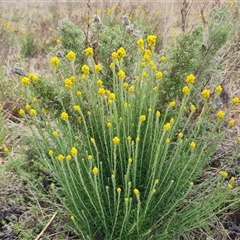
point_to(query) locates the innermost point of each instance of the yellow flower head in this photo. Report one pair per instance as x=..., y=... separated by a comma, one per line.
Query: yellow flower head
x=92, y=140
x=74, y=151
x=167, y=126
x=158, y=113
x=136, y=191
x=192, y=108
x=172, y=104
x=121, y=74
x=33, y=77
x=78, y=93
x=114, y=55
x=231, y=122
x=21, y=112
x=60, y=157
x=76, y=108
x=235, y=100
x=190, y=79
x=50, y=152
x=85, y=69
x=121, y=52
x=64, y=116
x=131, y=89
x=158, y=75
x=140, y=43
x=180, y=135
x=26, y=81
x=167, y=140
x=71, y=56
x=88, y=51
x=68, y=83
x=163, y=59
x=101, y=91
x=185, y=90
x=206, y=93
x=98, y=67
x=151, y=40
x=119, y=189
x=192, y=144
x=95, y=170
x=68, y=157
x=218, y=89
x=230, y=186
x=143, y=118
x=116, y=140
x=155, y=88
x=55, y=133
x=223, y=173
x=54, y=61
x=221, y=114
x=32, y=112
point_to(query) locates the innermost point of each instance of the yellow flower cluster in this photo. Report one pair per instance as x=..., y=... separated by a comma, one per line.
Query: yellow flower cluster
x=88, y=51
x=151, y=40
x=190, y=79
x=71, y=56
x=85, y=69
x=206, y=93
x=54, y=61
x=64, y=116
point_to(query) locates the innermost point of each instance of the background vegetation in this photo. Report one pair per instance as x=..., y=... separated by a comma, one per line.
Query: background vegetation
x=201, y=39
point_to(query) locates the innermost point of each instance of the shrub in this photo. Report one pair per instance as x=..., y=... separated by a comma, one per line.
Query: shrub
x=129, y=167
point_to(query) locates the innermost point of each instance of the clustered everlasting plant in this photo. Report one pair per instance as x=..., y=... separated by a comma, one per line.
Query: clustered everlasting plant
x=127, y=165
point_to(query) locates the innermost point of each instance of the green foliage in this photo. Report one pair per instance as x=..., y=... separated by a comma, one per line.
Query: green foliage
x=28, y=45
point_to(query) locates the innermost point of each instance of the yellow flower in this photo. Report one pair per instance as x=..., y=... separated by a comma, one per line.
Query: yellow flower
x=76, y=108
x=151, y=40
x=158, y=75
x=147, y=55
x=125, y=84
x=238, y=139
x=74, y=151
x=137, y=139
x=218, y=89
x=172, y=120
x=111, y=65
x=114, y=55
x=84, y=77
x=167, y=126
x=180, y=135
x=190, y=79
x=157, y=181
x=85, y=69
x=163, y=59
x=112, y=96
x=232, y=179
x=98, y=67
x=130, y=160
x=129, y=138
x=54, y=61
x=230, y=2
x=167, y=140
x=172, y=104
x=131, y=89
x=140, y=43
x=109, y=124
x=68, y=83
x=192, y=144
x=32, y=112
x=71, y=56
x=55, y=133
x=64, y=116
x=121, y=52
x=21, y=112
x=144, y=74
x=116, y=140
x=230, y=186
x=68, y=157
x=235, y=100
x=95, y=170
x=60, y=157
x=92, y=140
x=5, y=149
x=192, y=108
x=110, y=102
x=121, y=74
x=101, y=91
x=158, y=113
x=220, y=114
x=223, y=173
x=33, y=77
x=99, y=82
x=206, y=93
x=191, y=184
x=185, y=90
x=28, y=106
x=154, y=190
x=143, y=118
x=119, y=189
x=26, y=81
x=90, y=157
x=50, y=152
x=78, y=93
x=72, y=218
x=136, y=191
x=88, y=51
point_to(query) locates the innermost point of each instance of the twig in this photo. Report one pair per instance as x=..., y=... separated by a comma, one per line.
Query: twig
x=45, y=228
